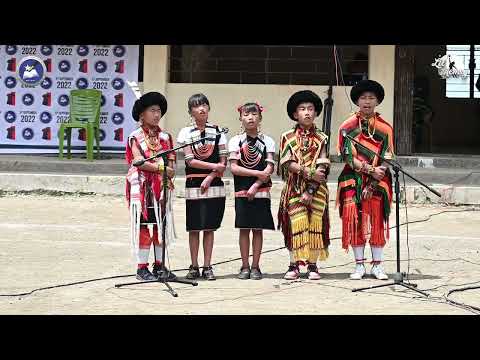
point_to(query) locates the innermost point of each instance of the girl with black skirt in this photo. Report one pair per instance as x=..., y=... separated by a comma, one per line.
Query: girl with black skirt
x=251, y=159
x=205, y=163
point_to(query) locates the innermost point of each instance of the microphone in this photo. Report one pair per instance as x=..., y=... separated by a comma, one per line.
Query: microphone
x=345, y=151
x=220, y=131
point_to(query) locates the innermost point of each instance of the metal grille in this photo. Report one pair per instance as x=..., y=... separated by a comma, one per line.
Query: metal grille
x=469, y=56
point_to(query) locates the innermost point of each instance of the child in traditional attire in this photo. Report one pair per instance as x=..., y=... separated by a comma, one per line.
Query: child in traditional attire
x=144, y=184
x=303, y=165
x=365, y=184
x=251, y=162
x=205, y=163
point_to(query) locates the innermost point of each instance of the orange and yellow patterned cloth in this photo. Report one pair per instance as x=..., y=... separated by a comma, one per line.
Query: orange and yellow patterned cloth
x=305, y=228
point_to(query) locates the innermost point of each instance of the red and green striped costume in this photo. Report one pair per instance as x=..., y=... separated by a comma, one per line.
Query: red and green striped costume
x=362, y=219
x=305, y=228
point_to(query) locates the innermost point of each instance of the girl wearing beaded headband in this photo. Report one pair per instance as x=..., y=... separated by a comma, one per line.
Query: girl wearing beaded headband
x=251, y=161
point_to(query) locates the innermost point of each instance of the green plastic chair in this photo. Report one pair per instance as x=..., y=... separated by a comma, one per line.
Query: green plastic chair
x=84, y=114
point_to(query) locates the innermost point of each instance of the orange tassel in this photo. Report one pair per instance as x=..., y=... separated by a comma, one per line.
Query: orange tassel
x=349, y=224
x=376, y=223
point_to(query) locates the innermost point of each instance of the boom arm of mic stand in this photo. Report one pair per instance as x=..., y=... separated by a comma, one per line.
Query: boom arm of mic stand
x=166, y=152
x=394, y=165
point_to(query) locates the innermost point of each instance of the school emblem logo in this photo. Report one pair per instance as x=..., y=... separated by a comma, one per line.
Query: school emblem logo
x=31, y=70
x=27, y=133
x=11, y=49
x=82, y=50
x=118, y=83
x=64, y=66
x=46, y=83
x=63, y=100
x=45, y=117
x=117, y=118
x=119, y=50
x=46, y=50
x=10, y=117
x=82, y=83
x=100, y=66
x=10, y=82
x=28, y=99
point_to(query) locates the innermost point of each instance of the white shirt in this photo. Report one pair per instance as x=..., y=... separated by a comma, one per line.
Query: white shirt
x=233, y=144
x=191, y=133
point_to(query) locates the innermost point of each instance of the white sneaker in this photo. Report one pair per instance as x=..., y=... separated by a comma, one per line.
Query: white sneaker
x=312, y=273
x=378, y=272
x=293, y=273
x=359, y=272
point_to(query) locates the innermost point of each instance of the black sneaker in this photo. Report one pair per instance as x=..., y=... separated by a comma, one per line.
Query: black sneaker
x=256, y=274
x=144, y=274
x=244, y=273
x=193, y=273
x=159, y=273
x=207, y=273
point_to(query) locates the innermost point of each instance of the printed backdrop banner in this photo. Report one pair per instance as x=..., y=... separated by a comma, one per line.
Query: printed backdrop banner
x=31, y=116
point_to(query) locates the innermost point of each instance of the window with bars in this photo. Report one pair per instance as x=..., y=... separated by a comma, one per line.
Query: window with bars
x=267, y=64
x=469, y=87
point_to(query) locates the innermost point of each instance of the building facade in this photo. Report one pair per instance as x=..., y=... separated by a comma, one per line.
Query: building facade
x=426, y=120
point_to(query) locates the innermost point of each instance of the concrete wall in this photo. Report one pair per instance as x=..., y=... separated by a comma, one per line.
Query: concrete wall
x=225, y=98
x=155, y=68
x=381, y=68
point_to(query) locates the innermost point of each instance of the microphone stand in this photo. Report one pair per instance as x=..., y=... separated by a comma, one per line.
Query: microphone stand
x=398, y=276
x=165, y=277
x=327, y=116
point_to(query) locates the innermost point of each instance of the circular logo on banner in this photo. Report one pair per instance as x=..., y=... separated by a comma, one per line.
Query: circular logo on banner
x=82, y=83
x=64, y=66
x=46, y=50
x=27, y=133
x=11, y=49
x=117, y=118
x=103, y=101
x=118, y=84
x=100, y=66
x=82, y=50
x=10, y=82
x=45, y=117
x=119, y=50
x=31, y=70
x=63, y=100
x=10, y=117
x=28, y=99
x=46, y=83
x=103, y=134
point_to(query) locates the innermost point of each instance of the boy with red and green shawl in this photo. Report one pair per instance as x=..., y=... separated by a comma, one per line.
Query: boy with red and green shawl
x=303, y=165
x=364, y=192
